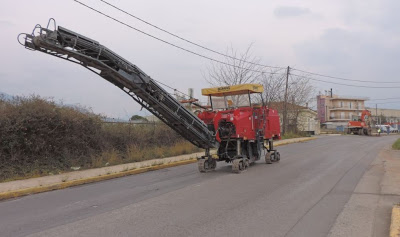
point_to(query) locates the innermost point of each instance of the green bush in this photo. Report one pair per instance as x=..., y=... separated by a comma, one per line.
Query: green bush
x=36, y=134
x=38, y=137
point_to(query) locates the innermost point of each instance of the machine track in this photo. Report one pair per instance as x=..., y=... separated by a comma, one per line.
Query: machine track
x=239, y=165
x=205, y=165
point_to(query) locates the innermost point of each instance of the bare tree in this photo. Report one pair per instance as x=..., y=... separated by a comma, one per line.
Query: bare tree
x=300, y=94
x=300, y=90
x=274, y=85
x=238, y=68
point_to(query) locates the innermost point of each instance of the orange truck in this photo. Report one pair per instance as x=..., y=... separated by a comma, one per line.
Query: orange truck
x=360, y=125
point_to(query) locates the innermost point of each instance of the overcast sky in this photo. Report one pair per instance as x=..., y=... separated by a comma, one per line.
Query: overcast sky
x=354, y=39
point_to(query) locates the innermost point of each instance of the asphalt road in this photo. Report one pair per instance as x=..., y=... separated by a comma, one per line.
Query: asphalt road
x=302, y=195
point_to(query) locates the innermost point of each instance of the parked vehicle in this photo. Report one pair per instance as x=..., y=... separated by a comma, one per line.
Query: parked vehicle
x=394, y=127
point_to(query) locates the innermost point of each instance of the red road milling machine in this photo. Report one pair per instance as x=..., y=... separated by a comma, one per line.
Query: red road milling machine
x=237, y=123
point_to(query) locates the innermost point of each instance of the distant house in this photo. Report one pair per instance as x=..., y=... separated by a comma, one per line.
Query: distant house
x=335, y=110
x=382, y=115
x=300, y=118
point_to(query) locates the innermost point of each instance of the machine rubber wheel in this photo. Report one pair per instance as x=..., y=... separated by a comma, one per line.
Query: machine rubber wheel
x=213, y=164
x=206, y=166
x=239, y=165
x=273, y=158
x=268, y=158
x=278, y=156
x=246, y=163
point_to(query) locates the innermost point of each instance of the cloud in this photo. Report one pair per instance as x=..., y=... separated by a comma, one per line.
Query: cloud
x=6, y=23
x=334, y=47
x=341, y=48
x=389, y=17
x=361, y=55
x=287, y=11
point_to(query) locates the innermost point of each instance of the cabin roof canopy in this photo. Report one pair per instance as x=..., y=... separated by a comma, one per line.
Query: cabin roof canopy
x=233, y=90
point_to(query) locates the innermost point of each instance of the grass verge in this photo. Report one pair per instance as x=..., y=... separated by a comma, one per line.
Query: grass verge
x=40, y=137
x=396, y=144
x=290, y=135
x=114, y=157
x=65, y=183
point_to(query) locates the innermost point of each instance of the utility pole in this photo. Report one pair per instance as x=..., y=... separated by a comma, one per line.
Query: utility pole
x=285, y=103
x=376, y=112
x=331, y=93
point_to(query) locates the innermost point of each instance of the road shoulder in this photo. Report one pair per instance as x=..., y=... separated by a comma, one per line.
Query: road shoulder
x=20, y=188
x=368, y=212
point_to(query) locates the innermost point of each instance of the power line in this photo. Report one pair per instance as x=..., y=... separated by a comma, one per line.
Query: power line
x=391, y=102
x=344, y=79
x=186, y=40
x=174, y=89
x=225, y=55
x=166, y=42
x=386, y=99
x=343, y=84
x=224, y=63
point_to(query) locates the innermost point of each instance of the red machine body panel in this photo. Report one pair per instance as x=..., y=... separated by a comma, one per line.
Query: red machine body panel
x=247, y=121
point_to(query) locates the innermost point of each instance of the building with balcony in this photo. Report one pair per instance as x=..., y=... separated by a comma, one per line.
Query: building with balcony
x=335, y=110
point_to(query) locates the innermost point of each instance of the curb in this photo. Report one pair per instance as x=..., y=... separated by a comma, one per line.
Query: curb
x=395, y=223
x=67, y=184
x=297, y=141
